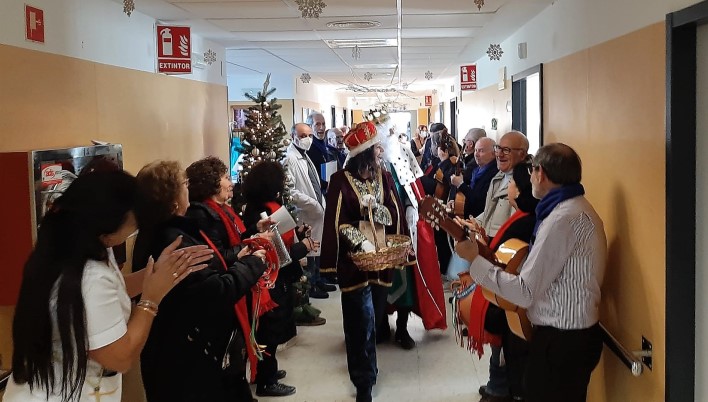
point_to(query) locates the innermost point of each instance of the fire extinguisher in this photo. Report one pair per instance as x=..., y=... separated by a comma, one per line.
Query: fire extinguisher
x=166, y=42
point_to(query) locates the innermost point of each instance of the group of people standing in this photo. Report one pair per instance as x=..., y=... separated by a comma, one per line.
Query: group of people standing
x=209, y=298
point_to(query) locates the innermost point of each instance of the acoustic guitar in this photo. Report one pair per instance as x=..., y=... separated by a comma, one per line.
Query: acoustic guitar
x=459, y=204
x=509, y=256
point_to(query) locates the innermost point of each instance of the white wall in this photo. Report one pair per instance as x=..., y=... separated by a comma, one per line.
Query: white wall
x=701, y=217
x=99, y=31
x=239, y=83
x=568, y=26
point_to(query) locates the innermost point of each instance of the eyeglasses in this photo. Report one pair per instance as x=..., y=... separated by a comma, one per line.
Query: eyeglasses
x=506, y=150
x=532, y=168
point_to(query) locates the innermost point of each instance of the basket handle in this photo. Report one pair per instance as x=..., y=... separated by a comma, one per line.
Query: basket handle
x=373, y=228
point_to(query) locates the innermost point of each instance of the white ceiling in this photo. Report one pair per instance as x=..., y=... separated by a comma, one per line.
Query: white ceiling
x=270, y=36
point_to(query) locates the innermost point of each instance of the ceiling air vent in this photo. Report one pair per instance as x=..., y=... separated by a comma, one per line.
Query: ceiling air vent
x=344, y=43
x=351, y=24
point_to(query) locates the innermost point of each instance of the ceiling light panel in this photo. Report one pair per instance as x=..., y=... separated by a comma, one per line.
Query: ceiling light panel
x=362, y=43
x=250, y=25
x=440, y=33
x=239, y=9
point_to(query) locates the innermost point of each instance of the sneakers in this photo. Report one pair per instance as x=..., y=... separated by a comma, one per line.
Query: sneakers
x=310, y=322
x=277, y=389
x=280, y=374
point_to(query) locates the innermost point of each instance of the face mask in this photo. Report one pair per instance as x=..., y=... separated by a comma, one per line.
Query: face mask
x=303, y=143
x=423, y=134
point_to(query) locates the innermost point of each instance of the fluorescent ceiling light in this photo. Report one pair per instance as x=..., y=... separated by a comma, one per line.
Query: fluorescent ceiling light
x=348, y=43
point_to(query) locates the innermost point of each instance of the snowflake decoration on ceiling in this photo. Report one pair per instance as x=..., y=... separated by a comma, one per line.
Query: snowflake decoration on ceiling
x=495, y=52
x=435, y=91
x=210, y=57
x=479, y=4
x=368, y=76
x=305, y=78
x=310, y=8
x=428, y=75
x=128, y=6
x=404, y=85
x=356, y=52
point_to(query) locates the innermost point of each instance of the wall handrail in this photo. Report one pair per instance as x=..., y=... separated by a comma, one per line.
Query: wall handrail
x=633, y=360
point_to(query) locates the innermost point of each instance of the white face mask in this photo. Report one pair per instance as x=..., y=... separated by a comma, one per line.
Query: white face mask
x=303, y=143
x=423, y=134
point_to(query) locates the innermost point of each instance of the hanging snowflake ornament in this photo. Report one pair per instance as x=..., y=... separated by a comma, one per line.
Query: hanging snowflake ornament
x=305, y=78
x=435, y=91
x=310, y=8
x=210, y=57
x=495, y=52
x=356, y=52
x=479, y=4
x=404, y=85
x=368, y=76
x=428, y=75
x=128, y=6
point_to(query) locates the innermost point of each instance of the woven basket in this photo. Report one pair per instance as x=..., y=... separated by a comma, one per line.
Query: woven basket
x=386, y=257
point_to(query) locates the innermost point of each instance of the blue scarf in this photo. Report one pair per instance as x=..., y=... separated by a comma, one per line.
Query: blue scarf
x=552, y=199
x=479, y=171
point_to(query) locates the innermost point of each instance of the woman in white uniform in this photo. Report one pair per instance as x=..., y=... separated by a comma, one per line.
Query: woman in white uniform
x=73, y=330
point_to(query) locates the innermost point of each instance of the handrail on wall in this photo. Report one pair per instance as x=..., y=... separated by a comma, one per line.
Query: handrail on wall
x=633, y=360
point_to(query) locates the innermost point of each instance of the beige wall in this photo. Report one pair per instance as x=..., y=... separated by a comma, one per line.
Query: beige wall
x=479, y=107
x=285, y=112
x=53, y=101
x=608, y=103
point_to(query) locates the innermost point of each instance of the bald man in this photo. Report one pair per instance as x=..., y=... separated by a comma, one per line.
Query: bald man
x=512, y=149
x=476, y=186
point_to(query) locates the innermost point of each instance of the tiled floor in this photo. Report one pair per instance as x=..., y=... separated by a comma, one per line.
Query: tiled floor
x=438, y=369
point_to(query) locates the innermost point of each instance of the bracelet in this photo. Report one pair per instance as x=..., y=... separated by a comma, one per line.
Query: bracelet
x=148, y=303
x=152, y=312
x=148, y=306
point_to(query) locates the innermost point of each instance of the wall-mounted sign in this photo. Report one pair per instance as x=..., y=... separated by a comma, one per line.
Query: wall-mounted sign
x=51, y=174
x=468, y=78
x=428, y=100
x=34, y=24
x=174, y=49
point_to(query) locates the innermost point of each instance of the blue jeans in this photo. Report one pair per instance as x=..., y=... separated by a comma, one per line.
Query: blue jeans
x=313, y=270
x=360, y=309
x=498, y=384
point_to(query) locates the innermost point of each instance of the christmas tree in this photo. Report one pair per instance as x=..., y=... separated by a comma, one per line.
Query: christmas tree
x=264, y=137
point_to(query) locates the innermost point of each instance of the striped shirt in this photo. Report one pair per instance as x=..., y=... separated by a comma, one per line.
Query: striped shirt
x=559, y=283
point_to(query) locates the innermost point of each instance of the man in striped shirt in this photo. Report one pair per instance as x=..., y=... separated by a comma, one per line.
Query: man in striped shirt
x=559, y=283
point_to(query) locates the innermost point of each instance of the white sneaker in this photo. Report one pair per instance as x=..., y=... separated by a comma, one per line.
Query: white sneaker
x=287, y=345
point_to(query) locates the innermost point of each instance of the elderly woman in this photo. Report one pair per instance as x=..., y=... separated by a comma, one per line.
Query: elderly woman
x=360, y=187
x=197, y=335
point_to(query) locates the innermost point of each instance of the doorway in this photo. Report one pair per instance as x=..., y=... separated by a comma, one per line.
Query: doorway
x=453, y=118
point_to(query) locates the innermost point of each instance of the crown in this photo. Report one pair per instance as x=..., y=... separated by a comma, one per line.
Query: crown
x=361, y=137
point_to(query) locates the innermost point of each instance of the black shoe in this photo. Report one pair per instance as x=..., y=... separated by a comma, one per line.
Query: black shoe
x=277, y=389
x=317, y=293
x=280, y=374
x=404, y=339
x=483, y=390
x=326, y=287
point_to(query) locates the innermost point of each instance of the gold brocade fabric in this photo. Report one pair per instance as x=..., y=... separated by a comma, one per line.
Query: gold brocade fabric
x=381, y=214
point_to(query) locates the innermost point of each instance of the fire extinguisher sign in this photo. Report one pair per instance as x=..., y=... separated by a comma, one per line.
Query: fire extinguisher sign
x=174, y=49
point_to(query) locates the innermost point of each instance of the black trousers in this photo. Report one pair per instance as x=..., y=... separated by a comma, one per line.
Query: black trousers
x=560, y=362
x=268, y=367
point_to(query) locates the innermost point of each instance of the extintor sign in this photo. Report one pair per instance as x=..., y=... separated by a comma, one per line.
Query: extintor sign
x=468, y=78
x=174, y=49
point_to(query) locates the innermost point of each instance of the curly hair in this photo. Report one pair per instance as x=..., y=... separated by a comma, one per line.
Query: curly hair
x=159, y=186
x=204, y=178
x=264, y=182
x=362, y=163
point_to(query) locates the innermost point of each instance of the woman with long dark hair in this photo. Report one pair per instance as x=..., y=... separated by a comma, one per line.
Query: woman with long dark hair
x=199, y=334
x=73, y=331
x=263, y=189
